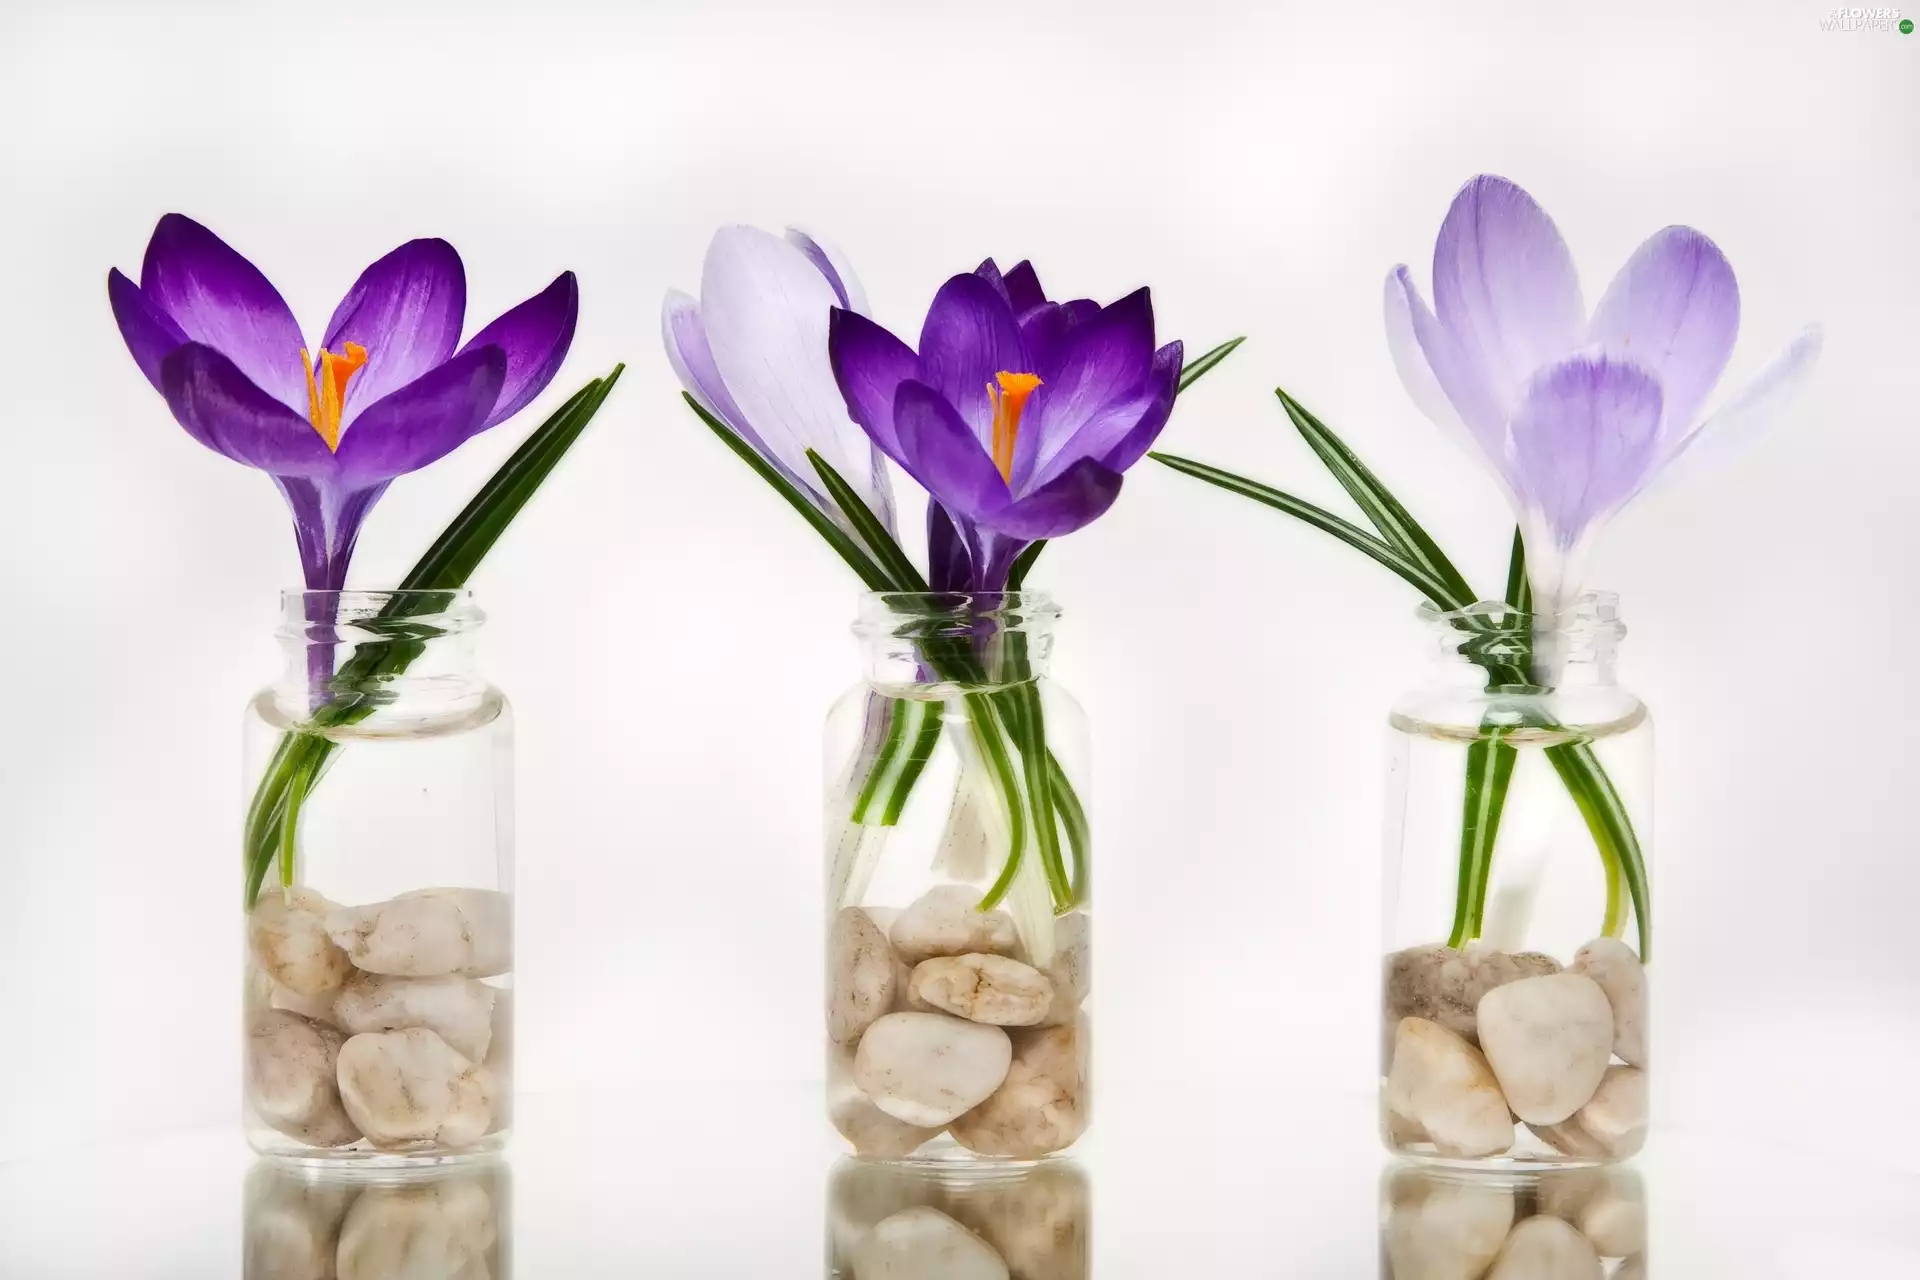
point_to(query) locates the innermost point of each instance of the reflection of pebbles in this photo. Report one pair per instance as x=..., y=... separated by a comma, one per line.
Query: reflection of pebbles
x=443, y=1224
x=1580, y=1224
x=895, y=1222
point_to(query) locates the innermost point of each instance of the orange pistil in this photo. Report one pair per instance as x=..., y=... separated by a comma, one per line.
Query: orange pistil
x=1008, y=402
x=327, y=394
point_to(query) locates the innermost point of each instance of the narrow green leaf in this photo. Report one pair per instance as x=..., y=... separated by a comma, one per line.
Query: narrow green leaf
x=893, y=561
x=1198, y=367
x=1519, y=589
x=1490, y=763
x=1607, y=819
x=1415, y=574
x=1023, y=564
x=836, y=537
x=1399, y=528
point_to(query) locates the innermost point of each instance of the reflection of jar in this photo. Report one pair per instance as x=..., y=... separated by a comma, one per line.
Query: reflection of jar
x=378, y=886
x=1575, y=1222
x=923, y=1220
x=959, y=952
x=1516, y=896
x=306, y=1222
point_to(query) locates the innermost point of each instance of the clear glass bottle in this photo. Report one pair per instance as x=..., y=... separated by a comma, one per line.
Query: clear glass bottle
x=958, y=930
x=377, y=870
x=1517, y=902
x=1567, y=1222
x=302, y=1220
x=889, y=1219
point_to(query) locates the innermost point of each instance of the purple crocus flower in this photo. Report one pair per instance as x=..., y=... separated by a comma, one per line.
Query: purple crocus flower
x=386, y=394
x=1577, y=413
x=1017, y=414
x=752, y=349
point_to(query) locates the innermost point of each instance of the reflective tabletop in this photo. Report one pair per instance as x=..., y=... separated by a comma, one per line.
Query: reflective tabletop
x=624, y=1186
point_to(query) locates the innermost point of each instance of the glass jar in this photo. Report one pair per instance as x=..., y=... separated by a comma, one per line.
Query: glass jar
x=1517, y=914
x=889, y=1219
x=1571, y=1222
x=958, y=931
x=447, y=1223
x=378, y=874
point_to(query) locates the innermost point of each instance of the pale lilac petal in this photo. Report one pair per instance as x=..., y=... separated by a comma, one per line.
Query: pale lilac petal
x=424, y=420
x=831, y=263
x=218, y=298
x=1674, y=309
x=150, y=333
x=1737, y=425
x=1410, y=360
x=406, y=310
x=1584, y=439
x=1484, y=422
x=766, y=308
x=221, y=408
x=968, y=338
x=685, y=339
x=534, y=336
x=1504, y=286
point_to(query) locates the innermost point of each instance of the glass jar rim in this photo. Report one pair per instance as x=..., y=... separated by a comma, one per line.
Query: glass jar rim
x=880, y=612
x=1591, y=613
x=360, y=613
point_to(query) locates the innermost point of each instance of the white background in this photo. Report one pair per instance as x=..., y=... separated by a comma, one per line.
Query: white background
x=671, y=634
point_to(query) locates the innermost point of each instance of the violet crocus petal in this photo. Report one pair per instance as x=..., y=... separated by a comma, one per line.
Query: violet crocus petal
x=1045, y=327
x=1483, y=425
x=1077, y=497
x=1163, y=384
x=218, y=298
x=949, y=566
x=424, y=420
x=406, y=310
x=766, y=311
x=150, y=333
x=940, y=450
x=968, y=338
x=831, y=263
x=1674, y=309
x=1023, y=287
x=1116, y=436
x=326, y=526
x=534, y=336
x=1095, y=363
x=1731, y=430
x=1584, y=439
x=869, y=364
x=989, y=270
x=1504, y=285
x=221, y=408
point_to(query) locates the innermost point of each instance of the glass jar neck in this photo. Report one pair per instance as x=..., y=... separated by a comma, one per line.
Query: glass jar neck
x=932, y=643
x=1493, y=644
x=361, y=652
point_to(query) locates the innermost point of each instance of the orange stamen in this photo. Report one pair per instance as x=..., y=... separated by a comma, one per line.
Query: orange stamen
x=327, y=394
x=1009, y=402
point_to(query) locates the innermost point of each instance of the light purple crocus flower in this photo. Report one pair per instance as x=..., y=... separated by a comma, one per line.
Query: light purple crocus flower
x=387, y=394
x=752, y=349
x=1576, y=413
x=1017, y=414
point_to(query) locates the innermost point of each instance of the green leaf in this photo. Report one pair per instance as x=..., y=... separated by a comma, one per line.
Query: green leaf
x=1415, y=574
x=837, y=538
x=1198, y=367
x=1023, y=564
x=1490, y=763
x=1519, y=590
x=872, y=531
x=1380, y=506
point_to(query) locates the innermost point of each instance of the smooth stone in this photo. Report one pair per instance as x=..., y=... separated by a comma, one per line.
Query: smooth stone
x=1043, y=1105
x=1040, y=1223
x=946, y=921
x=1616, y=1115
x=863, y=1193
x=1548, y=1041
x=1569, y=1139
x=291, y=1224
x=1443, y=1085
x=1446, y=986
x=862, y=975
x=407, y=1088
x=1071, y=970
x=923, y=1243
x=429, y=933
x=287, y=934
x=1615, y=1223
x=928, y=1068
x=499, y=1061
x=1613, y=964
x=874, y=1134
x=1545, y=1248
x=459, y=1010
x=440, y=1229
x=984, y=988
x=291, y=1064
x=1438, y=1230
